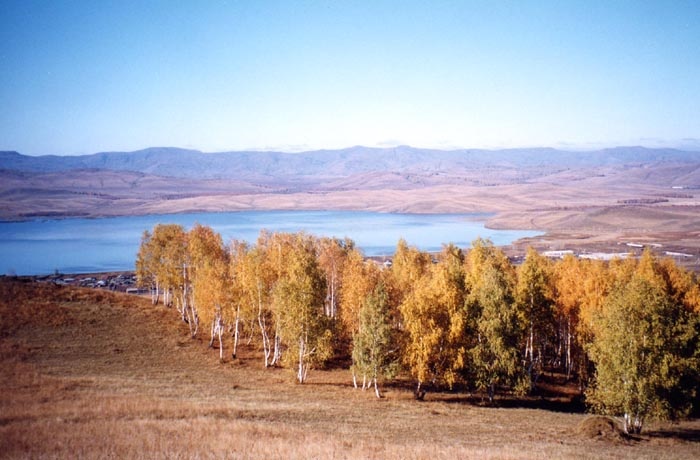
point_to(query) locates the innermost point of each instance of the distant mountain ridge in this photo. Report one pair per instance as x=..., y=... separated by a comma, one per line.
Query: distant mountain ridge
x=269, y=166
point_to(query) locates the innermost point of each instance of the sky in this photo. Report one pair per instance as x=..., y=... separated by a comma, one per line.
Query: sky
x=80, y=77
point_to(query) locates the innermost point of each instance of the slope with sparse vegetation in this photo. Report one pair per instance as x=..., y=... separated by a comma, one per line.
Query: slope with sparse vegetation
x=93, y=374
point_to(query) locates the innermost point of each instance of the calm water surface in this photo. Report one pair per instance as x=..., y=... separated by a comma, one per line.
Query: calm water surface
x=110, y=244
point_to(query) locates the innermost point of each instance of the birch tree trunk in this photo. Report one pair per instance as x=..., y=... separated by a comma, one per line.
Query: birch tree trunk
x=235, y=331
x=265, y=339
x=633, y=423
x=568, y=348
x=221, y=342
x=155, y=294
x=420, y=393
x=263, y=328
x=331, y=312
x=212, y=333
x=301, y=372
x=277, y=351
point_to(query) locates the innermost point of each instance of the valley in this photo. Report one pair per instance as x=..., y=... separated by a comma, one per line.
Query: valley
x=580, y=200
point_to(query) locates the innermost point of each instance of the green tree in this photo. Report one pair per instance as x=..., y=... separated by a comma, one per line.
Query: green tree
x=360, y=278
x=495, y=356
x=373, y=353
x=494, y=330
x=535, y=305
x=298, y=298
x=646, y=351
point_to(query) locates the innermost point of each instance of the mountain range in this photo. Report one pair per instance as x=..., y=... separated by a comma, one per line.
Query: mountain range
x=276, y=167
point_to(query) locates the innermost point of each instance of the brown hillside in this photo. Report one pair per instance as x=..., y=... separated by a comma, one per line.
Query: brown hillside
x=92, y=374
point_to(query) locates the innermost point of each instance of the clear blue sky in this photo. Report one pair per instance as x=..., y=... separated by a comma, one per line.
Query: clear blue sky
x=88, y=76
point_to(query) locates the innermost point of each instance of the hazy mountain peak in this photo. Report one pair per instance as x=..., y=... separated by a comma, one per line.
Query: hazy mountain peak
x=265, y=166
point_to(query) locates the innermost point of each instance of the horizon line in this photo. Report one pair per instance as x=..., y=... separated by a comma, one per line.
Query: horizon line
x=294, y=150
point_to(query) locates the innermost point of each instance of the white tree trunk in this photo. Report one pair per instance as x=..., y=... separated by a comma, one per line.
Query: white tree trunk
x=190, y=322
x=277, y=347
x=235, y=331
x=331, y=312
x=155, y=294
x=212, y=333
x=301, y=373
x=221, y=342
x=263, y=328
x=633, y=423
x=568, y=348
x=265, y=340
x=376, y=389
x=251, y=334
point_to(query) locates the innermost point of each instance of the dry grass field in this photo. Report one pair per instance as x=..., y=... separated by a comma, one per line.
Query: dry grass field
x=89, y=374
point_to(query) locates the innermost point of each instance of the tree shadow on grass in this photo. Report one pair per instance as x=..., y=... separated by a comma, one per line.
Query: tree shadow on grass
x=565, y=405
x=684, y=434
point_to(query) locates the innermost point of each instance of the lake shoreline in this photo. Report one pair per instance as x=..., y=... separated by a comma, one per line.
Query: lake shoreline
x=89, y=245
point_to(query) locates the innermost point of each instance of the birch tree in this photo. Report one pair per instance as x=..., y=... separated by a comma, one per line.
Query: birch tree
x=298, y=297
x=434, y=323
x=161, y=260
x=535, y=305
x=494, y=330
x=373, y=352
x=569, y=293
x=360, y=279
x=646, y=351
x=332, y=253
x=597, y=282
x=146, y=267
x=207, y=263
x=240, y=308
x=409, y=265
x=495, y=357
x=212, y=298
x=255, y=282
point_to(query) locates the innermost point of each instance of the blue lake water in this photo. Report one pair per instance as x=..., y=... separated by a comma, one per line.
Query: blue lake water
x=110, y=244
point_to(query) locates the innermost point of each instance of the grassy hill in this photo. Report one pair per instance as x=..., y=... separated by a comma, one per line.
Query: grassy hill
x=88, y=373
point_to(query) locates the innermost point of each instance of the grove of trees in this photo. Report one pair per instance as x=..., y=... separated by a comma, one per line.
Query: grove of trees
x=628, y=331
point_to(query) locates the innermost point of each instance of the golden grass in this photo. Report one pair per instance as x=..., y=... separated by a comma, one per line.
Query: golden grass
x=94, y=374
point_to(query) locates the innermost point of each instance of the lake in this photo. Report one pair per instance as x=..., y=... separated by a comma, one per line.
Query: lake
x=40, y=247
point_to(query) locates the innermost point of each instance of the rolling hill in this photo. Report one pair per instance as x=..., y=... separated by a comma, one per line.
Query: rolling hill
x=581, y=198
